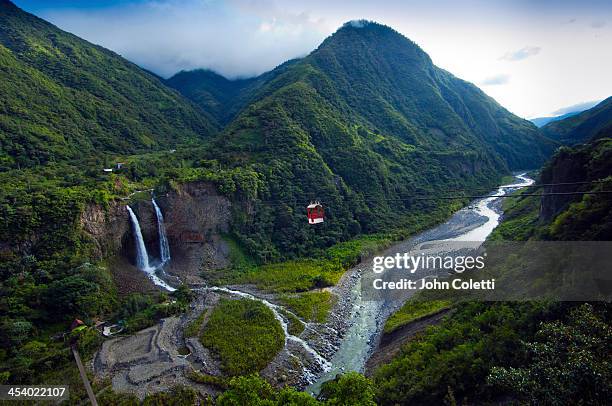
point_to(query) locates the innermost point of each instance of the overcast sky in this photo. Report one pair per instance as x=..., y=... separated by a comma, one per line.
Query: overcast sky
x=536, y=58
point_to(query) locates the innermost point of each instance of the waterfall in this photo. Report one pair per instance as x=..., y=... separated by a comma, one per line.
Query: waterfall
x=142, y=258
x=164, y=248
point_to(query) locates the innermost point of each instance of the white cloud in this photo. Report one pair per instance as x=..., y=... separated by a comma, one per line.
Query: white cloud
x=235, y=38
x=501, y=79
x=521, y=54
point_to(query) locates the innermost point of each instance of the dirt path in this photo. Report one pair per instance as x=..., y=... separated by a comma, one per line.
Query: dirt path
x=391, y=344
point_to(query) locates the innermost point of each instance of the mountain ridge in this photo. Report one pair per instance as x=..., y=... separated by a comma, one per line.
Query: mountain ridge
x=592, y=123
x=65, y=98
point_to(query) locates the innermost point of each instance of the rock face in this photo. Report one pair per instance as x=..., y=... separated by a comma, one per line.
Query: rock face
x=195, y=217
x=109, y=228
x=566, y=167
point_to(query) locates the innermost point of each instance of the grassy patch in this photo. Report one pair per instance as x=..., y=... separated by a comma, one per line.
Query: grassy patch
x=521, y=218
x=193, y=328
x=244, y=335
x=413, y=310
x=218, y=382
x=302, y=274
x=311, y=306
x=295, y=326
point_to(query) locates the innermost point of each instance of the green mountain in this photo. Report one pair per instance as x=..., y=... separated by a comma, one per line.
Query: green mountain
x=219, y=96
x=593, y=123
x=390, y=85
x=64, y=98
x=367, y=124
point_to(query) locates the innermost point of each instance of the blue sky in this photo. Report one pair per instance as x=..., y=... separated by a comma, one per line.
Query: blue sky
x=534, y=57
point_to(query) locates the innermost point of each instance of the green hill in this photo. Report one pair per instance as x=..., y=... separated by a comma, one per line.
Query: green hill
x=593, y=123
x=366, y=123
x=64, y=98
x=219, y=96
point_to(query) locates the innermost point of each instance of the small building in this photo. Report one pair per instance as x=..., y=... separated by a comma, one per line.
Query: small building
x=107, y=170
x=119, y=165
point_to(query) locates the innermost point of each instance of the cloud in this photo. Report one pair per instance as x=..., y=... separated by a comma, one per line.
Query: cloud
x=521, y=54
x=570, y=21
x=575, y=107
x=598, y=24
x=500, y=79
x=237, y=38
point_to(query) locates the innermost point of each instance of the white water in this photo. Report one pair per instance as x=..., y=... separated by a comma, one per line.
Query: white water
x=142, y=257
x=322, y=362
x=164, y=247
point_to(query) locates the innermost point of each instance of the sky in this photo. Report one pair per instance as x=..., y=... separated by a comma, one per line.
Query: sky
x=536, y=58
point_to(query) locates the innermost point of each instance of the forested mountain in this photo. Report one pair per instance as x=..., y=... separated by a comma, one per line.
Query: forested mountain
x=221, y=97
x=364, y=123
x=64, y=98
x=593, y=123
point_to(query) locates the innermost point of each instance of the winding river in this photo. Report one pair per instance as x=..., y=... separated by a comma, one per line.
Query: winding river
x=366, y=318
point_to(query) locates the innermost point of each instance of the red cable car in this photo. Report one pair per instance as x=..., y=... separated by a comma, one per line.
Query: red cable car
x=315, y=213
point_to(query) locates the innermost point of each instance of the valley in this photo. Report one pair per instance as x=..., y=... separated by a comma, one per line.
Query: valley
x=163, y=228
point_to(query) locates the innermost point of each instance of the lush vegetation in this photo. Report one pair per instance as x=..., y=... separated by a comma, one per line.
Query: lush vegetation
x=413, y=310
x=62, y=98
x=488, y=352
x=310, y=306
x=244, y=334
x=373, y=145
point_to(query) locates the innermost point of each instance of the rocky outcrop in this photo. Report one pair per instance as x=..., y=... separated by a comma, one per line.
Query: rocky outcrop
x=107, y=227
x=196, y=216
x=567, y=166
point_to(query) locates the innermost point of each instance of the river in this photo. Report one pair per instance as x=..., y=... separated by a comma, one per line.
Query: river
x=366, y=318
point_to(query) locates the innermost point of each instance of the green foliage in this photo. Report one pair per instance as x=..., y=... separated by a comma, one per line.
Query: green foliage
x=244, y=334
x=413, y=310
x=253, y=390
x=218, y=382
x=572, y=357
x=459, y=353
x=583, y=127
x=350, y=389
x=177, y=396
x=62, y=97
x=310, y=306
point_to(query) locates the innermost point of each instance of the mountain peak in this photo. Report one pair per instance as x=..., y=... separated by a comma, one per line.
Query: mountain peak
x=369, y=39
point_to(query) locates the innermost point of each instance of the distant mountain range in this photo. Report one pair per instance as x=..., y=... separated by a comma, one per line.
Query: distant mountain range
x=576, y=109
x=582, y=127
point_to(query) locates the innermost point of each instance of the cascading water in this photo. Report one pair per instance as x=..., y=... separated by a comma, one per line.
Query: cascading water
x=164, y=247
x=142, y=257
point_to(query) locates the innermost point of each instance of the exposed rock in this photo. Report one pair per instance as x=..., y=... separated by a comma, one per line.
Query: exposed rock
x=196, y=216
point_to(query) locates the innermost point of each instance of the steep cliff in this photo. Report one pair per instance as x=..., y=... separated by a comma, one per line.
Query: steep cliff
x=195, y=217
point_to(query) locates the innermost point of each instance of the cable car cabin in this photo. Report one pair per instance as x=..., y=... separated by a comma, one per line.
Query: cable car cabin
x=315, y=213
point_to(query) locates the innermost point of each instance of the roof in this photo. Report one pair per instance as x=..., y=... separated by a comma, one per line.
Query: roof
x=313, y=205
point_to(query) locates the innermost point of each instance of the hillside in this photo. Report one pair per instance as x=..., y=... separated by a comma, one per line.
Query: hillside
x=64, y=98
x=593, y=123
x=364, y=123
x=219, y=96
